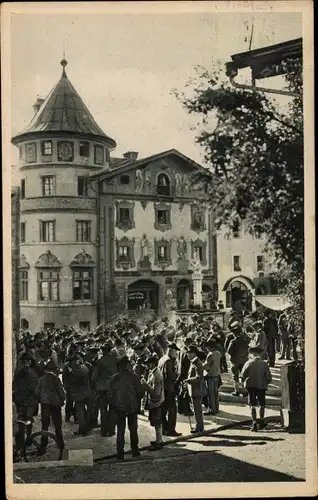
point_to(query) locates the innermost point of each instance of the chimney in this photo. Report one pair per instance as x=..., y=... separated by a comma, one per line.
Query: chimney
x=131, y=155
x=37, y=105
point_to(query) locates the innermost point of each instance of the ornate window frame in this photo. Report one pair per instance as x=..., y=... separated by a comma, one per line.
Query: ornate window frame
x=158, y=225
x=125, y=225
x=163, y=263
x=203, y=245
x=198, y=227
x=81, y=263
x=129, y=262
x=49, y=263
x=82, y=259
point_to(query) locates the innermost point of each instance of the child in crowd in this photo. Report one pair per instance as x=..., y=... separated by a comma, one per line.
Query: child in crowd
x=256, y=377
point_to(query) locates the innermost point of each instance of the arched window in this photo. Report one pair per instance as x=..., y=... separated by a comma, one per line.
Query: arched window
x=48, y=270
x=163, y=185
x=82, y=267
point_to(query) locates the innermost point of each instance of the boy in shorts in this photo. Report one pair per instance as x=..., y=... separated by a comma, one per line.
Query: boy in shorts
x=256, y=377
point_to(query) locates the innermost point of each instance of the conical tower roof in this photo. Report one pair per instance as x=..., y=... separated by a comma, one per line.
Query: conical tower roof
x=63, y=111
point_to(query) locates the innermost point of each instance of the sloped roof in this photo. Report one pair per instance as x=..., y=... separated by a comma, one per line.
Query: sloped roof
x=64, y=111
x=130, y=165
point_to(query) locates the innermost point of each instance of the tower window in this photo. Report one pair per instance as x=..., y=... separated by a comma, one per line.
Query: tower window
x=48, y=185
x=47, y=231
x=84, y=149
x=46, y=148
x=48, y=282
x=83, y=284
x=22, y=189
x=83, y=230
x=22, y=232
x=24, y=285
x=99, y=155
x=82, y=186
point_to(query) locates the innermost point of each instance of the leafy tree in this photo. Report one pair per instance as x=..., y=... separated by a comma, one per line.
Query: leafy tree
x=253, y=151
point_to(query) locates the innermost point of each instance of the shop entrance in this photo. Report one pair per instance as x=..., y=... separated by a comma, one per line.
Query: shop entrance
x=143, y=294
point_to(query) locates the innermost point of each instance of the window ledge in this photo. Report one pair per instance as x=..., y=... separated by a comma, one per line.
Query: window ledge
x=163, y=227
x=56, y=303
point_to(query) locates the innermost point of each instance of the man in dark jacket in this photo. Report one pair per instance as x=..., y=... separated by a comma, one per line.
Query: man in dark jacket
x=105, y=368
x=66, y=373
x=169, y=369
x=237, y=347
x=51, y=396
x=80, y=391
x=271, y=330
x=125, y=393
x=24, y=386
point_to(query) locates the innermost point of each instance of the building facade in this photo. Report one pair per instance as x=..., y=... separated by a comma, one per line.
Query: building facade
x=15, y=258
x=98, y=235
x=101, y=234
x=245, y=270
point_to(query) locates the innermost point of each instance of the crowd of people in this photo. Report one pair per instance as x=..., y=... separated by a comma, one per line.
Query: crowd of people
x=121, y=370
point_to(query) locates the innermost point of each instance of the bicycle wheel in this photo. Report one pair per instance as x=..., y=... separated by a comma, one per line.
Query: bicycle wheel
x=32, y=447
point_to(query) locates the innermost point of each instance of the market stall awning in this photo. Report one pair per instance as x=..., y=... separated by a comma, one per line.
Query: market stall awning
x=274, y=302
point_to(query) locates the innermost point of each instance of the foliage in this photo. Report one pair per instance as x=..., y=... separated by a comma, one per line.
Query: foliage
x=253, y=151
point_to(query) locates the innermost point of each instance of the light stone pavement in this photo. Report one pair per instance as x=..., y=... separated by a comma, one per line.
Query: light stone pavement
x=232, y=410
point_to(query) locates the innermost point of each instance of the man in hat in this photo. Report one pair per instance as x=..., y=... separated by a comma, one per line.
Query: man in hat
x=238, y=343
x=155, y=390
x=105, y=368
x=270, y=328
x=24, y=396
x=90, y=359
x=51, y=396
x=195, y=381
x=169, y=369
x=259, y=338
x=80, y=390
x=212, y=367
x=66, y=373
x=256, y=377
x=125, y=394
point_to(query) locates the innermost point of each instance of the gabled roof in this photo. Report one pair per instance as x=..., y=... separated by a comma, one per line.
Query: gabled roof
x=131, y=165
x=64, y=111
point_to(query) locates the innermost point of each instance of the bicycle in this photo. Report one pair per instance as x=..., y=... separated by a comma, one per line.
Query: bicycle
x=32, y=443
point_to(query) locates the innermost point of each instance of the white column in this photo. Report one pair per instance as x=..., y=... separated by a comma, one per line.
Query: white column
x=197, y=289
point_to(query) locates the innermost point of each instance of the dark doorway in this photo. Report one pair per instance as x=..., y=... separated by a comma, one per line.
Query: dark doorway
x=84, y=325
x=184, y=294
x=143, y=294
x=238, y=296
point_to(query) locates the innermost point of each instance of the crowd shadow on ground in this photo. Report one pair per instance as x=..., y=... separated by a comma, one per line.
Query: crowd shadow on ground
x=212, y=467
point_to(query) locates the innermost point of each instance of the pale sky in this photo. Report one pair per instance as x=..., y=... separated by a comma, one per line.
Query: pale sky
x=124, y=67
